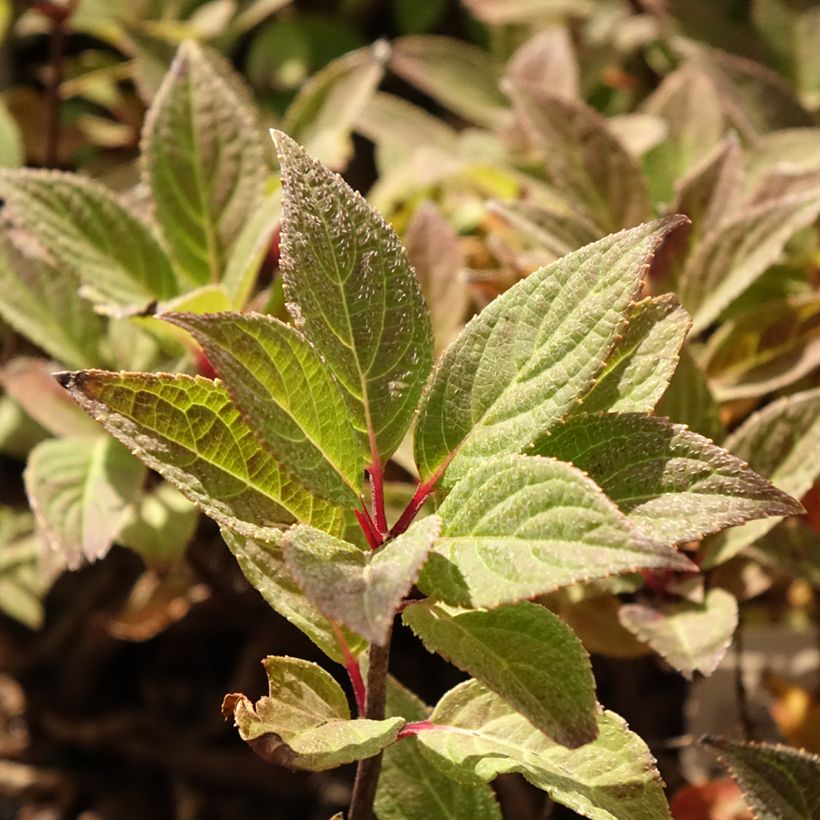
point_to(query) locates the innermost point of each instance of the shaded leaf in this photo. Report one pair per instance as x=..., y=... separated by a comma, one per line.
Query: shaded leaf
x=330, y=102
x=19, y=433
x=779, y=783
x=23, y=583
x=187, y=429
x=521, y=365
x=692, y=637
x=794, y=548
x=287, y=395
x=304, y=722
x=203, y=158
x=87, y=230
x=361, y=589
x=454, y=73
x=547, y=60
x=641, y=364
x=263, y=564
x=520, y=526
x=585, y=161
x=353, y=292
x=675, y=485
x=525, y=654
x=81, y=491
x=478, y=736
x=502, y=12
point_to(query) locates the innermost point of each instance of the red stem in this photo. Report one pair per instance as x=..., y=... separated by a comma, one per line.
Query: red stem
x=412, y=509
x=353, y=670
x=376, y=474
x=366, y=523
x=411, y=729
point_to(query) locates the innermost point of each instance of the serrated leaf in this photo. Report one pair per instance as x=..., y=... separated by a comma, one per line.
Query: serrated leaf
x=305, y=722
x=81, y=490
x=585, y=161
x=456, y=74
x=353, y=292
x=520, y=526
x=324, y=111
x=675, y=485
x=358, y=588
x=188, y=430
x=263, y=564
x=730, y=260
x=688, y=400
x=781, y=442
x=287, y=395
x=765, y=348
x=778, y=782
x=522, y=364
x=478, y=736
x=203, y=158
x=641, y=365
x=87, y=230
x=42, y=303
x=692, y=637
x=525, y=654
x=411, y=788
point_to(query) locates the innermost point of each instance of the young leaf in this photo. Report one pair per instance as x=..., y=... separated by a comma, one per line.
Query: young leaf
x=478, y=736
x=263, y=564
x=692, y=637
x=730, y=260
x=43, y=303
x=287, y=395
x=329, y=103
x=360, y=589
x=674, y=484
x=520, y=526
x=187, y=429
x=304, y=722
x=353, y=292
x=595, y=172
x=203, y=158
x=641, y=364
x=525, y=654
x=456, y=74
x=410, y=788
x=522, y=364
x=81, y=490
x=781, y=442
x=765, y=349
x=87, y=230
x=778, y=782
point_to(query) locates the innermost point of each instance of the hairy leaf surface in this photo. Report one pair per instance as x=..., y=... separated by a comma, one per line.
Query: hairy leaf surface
x=520, y=526
x=525, y=654
x=522, y=364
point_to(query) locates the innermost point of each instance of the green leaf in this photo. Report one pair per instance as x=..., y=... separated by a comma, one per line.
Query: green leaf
x=585, y=161
x=12, y=151
x=353, y=292
x=361, y=589
x=22, y=581
x=778, y=782
x=187, y=429
x=203, y=158
x=478, y=736
x=287, y=395
x=793, y=548
x=263, y=564
x=454, y=73
x=781, y=442
x=520, y=526
x=19, y=433
x=764, y=349
x=522, y=364
x=688, y=400
x=411, y=788
x=87, y=230
x=641, y=365
x=304, y=722
x=731, y=259
x=525, y=654
x=81, y=490
x=692, y=637
x=330, y=102
x=675, y=485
